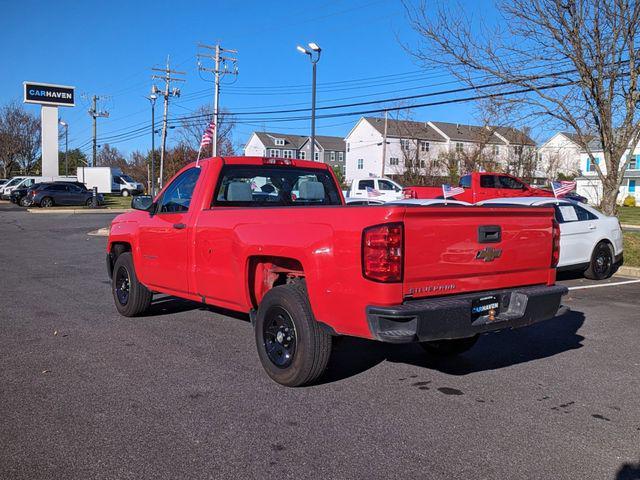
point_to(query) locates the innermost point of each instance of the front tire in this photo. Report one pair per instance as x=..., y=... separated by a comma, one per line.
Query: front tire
x=125, y=193
x=46, y=202
x=292, y=347
x=601, y=265
x=449, y=348
x=131, y=297
x=24, y=202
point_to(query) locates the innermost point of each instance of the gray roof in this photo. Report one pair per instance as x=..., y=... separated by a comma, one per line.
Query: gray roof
x=406, y=129
x=331, y=143
x=290, y=141
x=514, y=136
x=459, y=132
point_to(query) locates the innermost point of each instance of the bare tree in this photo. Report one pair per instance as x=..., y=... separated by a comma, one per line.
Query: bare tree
x=192, y=129
x=19, y=140
x=573, y=61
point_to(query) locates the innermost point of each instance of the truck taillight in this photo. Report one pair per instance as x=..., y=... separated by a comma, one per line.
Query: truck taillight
x=555, y=249
x=382, y=247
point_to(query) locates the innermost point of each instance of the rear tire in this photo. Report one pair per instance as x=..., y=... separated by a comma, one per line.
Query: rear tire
x=448, y=348
x=24, y=202
x=130, y=296
x=601, y=265
x=293, y=349
x=125, y=193
x=46, y=202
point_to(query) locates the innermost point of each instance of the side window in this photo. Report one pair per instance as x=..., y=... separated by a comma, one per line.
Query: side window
x=177, y=197
x=566, y=213
x=385, y=185
x=363, y=184
x=465, y=182
x=487, y=181
x=510, y=183
x=584, y=214
x=75, y=189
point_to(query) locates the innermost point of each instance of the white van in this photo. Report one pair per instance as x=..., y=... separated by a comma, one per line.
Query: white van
x=17, y=182
x=382, y=189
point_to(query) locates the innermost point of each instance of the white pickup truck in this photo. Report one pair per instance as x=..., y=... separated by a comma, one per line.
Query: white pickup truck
x=382, y=189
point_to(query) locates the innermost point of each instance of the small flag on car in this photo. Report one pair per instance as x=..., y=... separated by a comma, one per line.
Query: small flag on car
x=207, y=139
x=449, y=191
x=372, y=192
x=562, y=188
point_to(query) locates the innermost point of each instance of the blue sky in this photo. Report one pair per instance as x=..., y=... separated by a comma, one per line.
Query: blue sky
x=108, y=48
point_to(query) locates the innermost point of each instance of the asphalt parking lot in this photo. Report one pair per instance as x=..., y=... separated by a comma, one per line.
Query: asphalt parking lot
x=180, y=394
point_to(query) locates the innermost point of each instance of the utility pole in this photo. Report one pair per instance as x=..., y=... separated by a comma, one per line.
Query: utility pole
x=220, y=69
x=95, y=114
x=384, y=140
x=168, y=77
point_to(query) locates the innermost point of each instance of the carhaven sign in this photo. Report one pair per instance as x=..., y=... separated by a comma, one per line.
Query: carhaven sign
x=47, y=94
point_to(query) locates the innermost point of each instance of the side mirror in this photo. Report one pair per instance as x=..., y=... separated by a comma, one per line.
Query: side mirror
x=142, y=202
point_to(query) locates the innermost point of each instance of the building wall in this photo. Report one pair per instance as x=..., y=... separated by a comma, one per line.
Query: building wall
x=560, y=155
x=254, y=147
x=362, y=144
x=591, y=188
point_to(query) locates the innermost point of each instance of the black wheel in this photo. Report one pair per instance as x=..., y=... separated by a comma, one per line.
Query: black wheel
x=131, y=297
x=446, y=348
x=125, y=193
x=46, y=202
x=601, y=265
x=293, y=348
x=89, y=202
x=24, y=202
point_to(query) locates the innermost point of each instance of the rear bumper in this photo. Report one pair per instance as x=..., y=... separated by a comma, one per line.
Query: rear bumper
x=450, y=317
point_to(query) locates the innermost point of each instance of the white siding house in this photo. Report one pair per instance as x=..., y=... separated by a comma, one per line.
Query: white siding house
x=590, y=186
x=560, y=154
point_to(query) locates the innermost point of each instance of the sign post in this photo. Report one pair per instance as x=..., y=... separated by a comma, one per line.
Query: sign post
x=49, y=97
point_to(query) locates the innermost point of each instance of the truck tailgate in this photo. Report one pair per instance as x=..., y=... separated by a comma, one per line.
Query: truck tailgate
x=450, y=250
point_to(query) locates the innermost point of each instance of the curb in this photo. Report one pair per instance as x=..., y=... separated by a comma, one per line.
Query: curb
x=632, y=228
x=629, y=271
x=79, y=211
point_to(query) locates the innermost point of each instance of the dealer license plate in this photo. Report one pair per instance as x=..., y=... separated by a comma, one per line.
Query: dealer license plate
x=482, y=306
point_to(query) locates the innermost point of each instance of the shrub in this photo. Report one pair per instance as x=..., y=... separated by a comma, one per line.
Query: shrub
x=629, y=201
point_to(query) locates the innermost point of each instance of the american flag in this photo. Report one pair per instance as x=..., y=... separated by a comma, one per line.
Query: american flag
x=372, y=192
x=207, y=136
x=449, y=191
x=562, y=188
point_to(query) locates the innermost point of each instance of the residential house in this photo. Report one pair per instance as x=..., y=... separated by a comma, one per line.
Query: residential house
x=281, y=145
x=330, y=150
x=589, y=185
x=560, y=155
x=433, y=148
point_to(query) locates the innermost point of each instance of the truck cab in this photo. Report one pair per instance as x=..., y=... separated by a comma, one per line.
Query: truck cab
x=382, y=189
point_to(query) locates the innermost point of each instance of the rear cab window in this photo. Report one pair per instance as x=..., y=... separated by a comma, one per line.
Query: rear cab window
x=465, y=181
x=273, y=186
x=488, y=181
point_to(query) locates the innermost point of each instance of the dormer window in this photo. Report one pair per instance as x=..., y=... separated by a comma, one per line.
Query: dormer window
x=279, y=142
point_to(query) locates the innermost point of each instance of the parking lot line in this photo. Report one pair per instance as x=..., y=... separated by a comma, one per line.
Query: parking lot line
x=604, y=285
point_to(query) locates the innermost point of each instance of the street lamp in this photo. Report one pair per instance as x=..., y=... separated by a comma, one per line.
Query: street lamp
x=66, y=145
x=152, y=182
x=314, y=60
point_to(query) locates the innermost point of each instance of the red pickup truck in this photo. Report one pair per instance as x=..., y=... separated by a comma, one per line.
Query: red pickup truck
x=274, y=238
x=479, y=186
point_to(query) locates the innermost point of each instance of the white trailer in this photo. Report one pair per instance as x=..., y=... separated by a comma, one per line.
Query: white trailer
x=109, y=180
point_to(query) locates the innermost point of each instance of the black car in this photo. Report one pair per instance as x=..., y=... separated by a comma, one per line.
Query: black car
x=19, y=196
x=61, y=193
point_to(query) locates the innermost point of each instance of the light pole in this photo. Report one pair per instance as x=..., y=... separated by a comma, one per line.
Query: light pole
x=314, y=60
x=152, y=183
x=66, y=145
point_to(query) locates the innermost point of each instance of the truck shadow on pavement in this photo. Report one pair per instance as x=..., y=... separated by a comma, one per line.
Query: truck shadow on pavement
x=352, y=356
x=629, y=471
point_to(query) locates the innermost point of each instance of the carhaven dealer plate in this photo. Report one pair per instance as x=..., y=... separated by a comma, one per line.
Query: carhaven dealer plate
x=47, y=94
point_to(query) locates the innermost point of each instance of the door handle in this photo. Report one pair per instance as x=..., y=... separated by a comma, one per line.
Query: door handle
x=592, y=227
x=179, y=226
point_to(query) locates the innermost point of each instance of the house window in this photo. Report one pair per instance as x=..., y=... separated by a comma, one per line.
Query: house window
x=632, y=186
x=496, y=150
x=333, y=156
x=341, y=156
x=424, y=146
x=287, y=154
x=405, y=144
x=633, y=162
x=279, y=142
x=590, y=166
x=459, y=147
x=393, y=161
x=274, y=152
x=348, y=147
x=316, y=156
x=423, y=164
x=360, y=164
x=517, y=149
x=302, y=155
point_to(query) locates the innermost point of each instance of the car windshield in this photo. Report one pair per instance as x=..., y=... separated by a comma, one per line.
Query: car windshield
x=127, y=178
x=13, y=181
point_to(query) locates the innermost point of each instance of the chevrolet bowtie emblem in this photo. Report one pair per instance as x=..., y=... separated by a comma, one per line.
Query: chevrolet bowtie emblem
x=488, y=254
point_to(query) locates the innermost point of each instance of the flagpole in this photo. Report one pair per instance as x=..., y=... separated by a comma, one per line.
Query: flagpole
x=198, y=160
x=444, y=194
